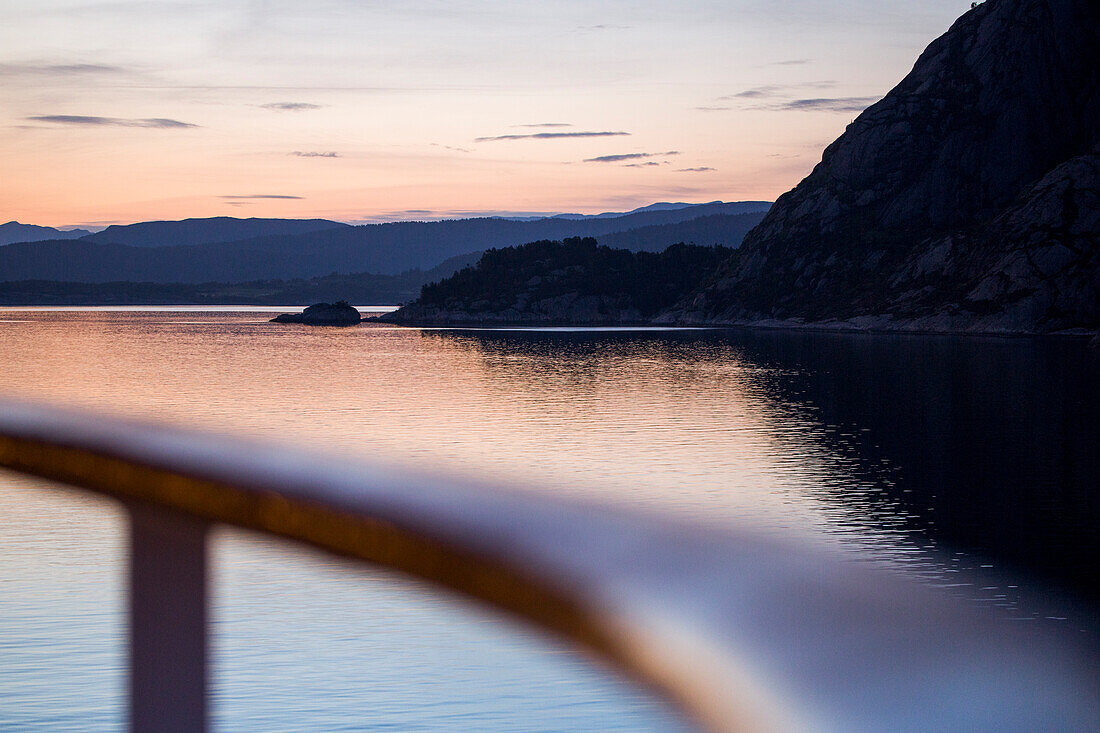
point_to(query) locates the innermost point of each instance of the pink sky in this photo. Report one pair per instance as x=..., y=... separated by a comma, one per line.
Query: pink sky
x=134, y=110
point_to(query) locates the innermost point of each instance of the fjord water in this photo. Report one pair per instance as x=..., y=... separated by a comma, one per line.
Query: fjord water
x=971, y=463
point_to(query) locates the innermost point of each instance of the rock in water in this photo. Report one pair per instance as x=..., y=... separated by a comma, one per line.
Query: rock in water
x=323, y=314
x=966, y=199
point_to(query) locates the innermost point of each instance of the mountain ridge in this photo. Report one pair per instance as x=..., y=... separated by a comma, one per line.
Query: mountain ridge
x=384, y=249
x=207, y=230
x=13, y=232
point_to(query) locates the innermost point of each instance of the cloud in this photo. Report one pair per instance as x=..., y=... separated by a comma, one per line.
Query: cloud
x=772, y=91
x=314, y=154
x=645, y=165
x=775, y=97
x=450, y=147
x=157, y=122
x=59, y=70
x=830, y=104
x=756, y=93
x=627, y=156
x=546, y=124
x=290, y=106
x=714, y=109
x=602, y=27
x=441, y=215
x=700, y=169
x=790, y=62
x=547, y=136
x=260, y=196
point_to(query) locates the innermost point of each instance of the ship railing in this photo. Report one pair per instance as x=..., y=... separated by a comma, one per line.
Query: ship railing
x=741, y=630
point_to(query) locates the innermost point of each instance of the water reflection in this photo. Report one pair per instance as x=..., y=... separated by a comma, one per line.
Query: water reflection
x=937, y=456
x=995, y=443
x=962, y=452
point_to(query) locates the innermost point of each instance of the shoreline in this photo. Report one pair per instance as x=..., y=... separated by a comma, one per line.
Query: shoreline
x=763, y=325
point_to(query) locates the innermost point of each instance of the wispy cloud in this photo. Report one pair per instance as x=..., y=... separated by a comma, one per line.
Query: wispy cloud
x=290, y=106
x=59, y=70
x=156, y=122
x=451, y=147
x=789, y=62
x=443, y=214
x=714, y=109
x=755, y=93
x=773, y=91
x=259, y=196
x=602, y=27
x=830, y=104
x=783, y=97
x=548, y=136
x=647, y=164
x=700, y=169
x=628, y=156
x=315, y=154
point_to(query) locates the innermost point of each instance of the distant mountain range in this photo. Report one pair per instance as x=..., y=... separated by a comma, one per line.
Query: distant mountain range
x=216, y=230
x=13, y=231
x=360, y=288
x=207, y=250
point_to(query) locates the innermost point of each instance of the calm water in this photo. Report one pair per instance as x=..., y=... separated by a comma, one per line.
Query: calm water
x=972, y=463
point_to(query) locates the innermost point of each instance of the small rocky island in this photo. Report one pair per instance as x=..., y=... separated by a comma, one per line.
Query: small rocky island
x=323, y=314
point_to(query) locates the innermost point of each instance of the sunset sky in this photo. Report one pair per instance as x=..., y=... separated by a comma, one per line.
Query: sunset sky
x=114, y=112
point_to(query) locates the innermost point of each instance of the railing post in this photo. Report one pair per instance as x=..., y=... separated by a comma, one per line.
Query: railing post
x=167, y=622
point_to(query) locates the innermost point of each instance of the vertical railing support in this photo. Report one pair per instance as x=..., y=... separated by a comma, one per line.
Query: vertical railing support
x=168, y=609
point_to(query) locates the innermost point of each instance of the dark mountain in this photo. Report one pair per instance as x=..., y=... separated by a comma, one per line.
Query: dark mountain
x=967, y=199
x=205, y=231
x=574, y=281
x=724, y=229
x=388, y=249
x=13, y=231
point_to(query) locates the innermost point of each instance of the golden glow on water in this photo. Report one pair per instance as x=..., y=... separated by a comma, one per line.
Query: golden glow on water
x=678, y=425
x=880, y=446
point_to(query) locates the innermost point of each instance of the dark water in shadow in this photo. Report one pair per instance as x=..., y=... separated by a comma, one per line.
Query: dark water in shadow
x=995, y=442
x=988, y=447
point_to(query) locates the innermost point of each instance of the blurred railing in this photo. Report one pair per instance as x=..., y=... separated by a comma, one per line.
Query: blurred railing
x=741, y=631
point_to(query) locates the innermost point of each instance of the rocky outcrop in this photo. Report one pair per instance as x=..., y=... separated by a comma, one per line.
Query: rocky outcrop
x=323, y=314
x=965, y=199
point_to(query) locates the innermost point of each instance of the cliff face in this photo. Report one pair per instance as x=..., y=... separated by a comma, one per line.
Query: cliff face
x=965, y=199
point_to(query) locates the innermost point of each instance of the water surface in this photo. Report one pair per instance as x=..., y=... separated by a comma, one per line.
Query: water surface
x=970, y=463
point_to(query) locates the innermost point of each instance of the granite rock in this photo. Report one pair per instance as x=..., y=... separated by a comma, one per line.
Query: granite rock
x=965, y=199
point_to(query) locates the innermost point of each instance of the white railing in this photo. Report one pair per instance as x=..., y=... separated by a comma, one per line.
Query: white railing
x=741, y=631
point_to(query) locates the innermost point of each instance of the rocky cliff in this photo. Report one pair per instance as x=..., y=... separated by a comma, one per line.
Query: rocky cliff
x=966, y=199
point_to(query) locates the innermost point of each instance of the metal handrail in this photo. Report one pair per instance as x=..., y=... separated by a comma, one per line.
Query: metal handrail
x=741, y=630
